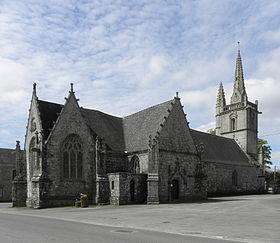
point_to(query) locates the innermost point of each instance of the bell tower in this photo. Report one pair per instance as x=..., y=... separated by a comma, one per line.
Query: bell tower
x=239, y=119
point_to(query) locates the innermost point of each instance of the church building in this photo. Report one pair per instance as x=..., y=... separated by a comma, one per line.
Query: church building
x=151, y=156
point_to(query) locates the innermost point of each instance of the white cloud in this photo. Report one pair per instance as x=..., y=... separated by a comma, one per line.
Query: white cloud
x=207, y=127
x=4, y=132
x=125, y=56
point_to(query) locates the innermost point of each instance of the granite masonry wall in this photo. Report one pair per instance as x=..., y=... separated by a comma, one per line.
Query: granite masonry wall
x=62, y=191
x=116, y=162
x=7, y=172
x=177, y=158
x=221, y=179
x=127, y=188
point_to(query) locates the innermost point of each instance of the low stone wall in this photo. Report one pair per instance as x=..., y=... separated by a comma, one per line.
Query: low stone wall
x=127, y=188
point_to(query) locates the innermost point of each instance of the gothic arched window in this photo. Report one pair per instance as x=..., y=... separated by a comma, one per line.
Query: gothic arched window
x=135, y=164
x=72, y=158
x=233, y=124
x=234, y=178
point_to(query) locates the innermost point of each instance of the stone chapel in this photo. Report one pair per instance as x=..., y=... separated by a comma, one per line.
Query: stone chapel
x=151, y=156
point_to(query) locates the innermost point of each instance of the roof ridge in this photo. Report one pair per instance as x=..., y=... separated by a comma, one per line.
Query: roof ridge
x=82, y=108
x=148, y=108
x=211, y=134
x=50, y=102
x=9, y=149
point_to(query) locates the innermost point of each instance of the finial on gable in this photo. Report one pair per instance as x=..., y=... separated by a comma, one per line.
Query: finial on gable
x=71, y=90
x=34, y=88
x=17, y=145
x=177, y=95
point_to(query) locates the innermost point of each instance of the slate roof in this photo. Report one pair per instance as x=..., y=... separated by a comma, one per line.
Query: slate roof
x=219, y=149
x=130, y=133
x=106, y=126
x=49, y=113
x=7, y=156
x=138, y=126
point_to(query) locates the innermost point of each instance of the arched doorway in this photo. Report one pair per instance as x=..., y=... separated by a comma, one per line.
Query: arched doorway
x=174, y=189
x=132, y=191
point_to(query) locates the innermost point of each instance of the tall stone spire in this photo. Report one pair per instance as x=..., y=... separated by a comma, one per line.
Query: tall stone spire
x=221, y=100
x=239, y=92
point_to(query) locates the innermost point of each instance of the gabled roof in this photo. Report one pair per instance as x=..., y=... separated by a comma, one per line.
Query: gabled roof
x=106, y=126
x=219, y=149
x=7, y=156
x=130, y=133
x=138, y=126
x=49, y=113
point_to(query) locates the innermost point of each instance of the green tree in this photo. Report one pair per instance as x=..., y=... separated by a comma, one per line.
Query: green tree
x=212, y=131
x=266, y=150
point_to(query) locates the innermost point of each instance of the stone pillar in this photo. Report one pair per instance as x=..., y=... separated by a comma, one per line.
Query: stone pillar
x=102, y=182
x=153, y=172
x=19, y=190
x=200, y=175
x=40, y=191
x=152, y=181
x=40, y=180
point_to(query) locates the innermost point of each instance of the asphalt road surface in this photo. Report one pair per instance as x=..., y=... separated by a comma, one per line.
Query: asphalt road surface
x=21, y=228
x=251, y=218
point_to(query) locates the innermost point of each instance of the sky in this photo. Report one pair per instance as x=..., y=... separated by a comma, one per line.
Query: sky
x=124, y=56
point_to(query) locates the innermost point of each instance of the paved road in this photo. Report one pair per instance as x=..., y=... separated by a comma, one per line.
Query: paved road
x=254, y=218
x=19, y=228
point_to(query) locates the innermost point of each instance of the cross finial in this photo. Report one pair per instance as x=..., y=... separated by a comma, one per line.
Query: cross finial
x=17, y=145
x=71, y=84
x=34, y=88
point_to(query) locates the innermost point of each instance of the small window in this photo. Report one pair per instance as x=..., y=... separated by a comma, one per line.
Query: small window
x=14, y=173
x=234, y=178
x=113, y=185
x=233, y=124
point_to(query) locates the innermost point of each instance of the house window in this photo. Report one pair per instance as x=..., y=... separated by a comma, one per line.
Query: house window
x=135, y=164
x=233, y=124
x=113, y=185
x=234, y=178
x=72, y=158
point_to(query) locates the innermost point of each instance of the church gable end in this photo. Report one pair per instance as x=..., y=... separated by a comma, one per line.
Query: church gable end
x=140, y=126
x=70, y=161
x=174, y=134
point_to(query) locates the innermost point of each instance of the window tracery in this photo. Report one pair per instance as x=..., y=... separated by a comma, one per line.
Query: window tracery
x=72, y=158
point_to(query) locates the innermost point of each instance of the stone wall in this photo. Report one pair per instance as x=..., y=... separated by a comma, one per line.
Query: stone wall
x=178, y=159
x=220, y=179
x=182, y=168
x=116, y=162
x=7, y=172
x=122, y=189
